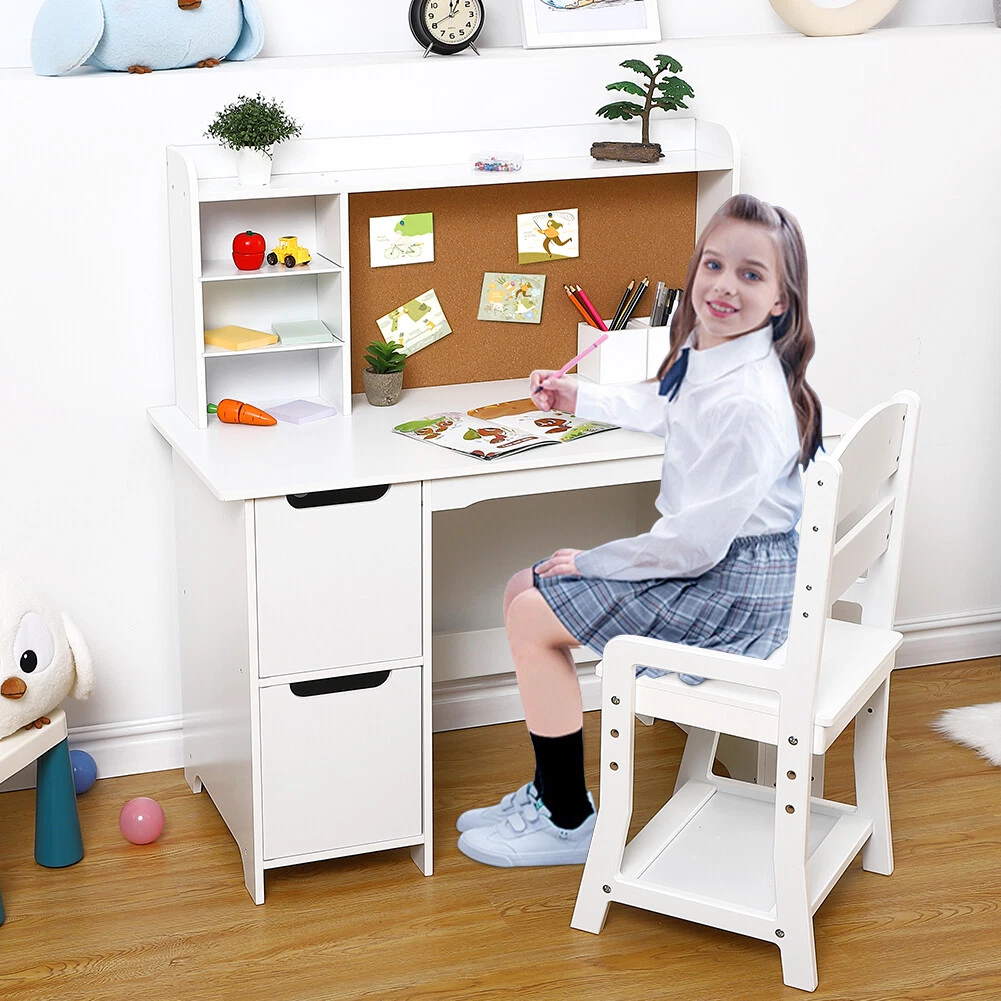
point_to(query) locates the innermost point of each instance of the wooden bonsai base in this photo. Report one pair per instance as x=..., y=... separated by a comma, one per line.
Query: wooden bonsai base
x=637, y=152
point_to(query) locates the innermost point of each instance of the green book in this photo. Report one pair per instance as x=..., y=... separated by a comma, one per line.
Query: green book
x=303, y=332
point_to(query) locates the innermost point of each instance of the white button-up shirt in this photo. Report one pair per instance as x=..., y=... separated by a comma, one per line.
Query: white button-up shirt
x=731, y=459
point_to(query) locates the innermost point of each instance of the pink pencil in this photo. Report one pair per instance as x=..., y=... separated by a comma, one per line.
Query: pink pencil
x=573, y=361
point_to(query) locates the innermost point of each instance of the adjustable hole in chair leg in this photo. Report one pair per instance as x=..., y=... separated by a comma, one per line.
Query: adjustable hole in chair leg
x=614, y=733
x=614, y=765
x=790, y=808
x=790, y=775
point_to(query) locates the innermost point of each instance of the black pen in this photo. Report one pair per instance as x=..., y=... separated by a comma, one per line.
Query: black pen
x=637, y=295
x=622, y=305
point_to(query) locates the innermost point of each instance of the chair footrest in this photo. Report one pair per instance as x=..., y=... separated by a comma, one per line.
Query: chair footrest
x=712, y=846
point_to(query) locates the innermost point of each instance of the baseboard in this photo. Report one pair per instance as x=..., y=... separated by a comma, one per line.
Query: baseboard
x=152, y=745
x=945, y=639
x=458, y=705
x=155, y=745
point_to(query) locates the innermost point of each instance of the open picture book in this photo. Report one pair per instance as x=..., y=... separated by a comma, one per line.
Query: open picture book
x=499, y=429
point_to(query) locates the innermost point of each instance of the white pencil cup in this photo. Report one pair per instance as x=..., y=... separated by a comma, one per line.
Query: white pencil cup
x=629, y=355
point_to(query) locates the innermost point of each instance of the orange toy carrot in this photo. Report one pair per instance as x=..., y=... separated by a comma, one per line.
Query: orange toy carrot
x=235, y=412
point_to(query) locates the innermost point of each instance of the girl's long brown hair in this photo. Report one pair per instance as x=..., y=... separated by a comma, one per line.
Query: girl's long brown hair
x=792, y=332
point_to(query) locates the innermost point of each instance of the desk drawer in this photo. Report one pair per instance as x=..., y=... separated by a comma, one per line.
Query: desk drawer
x=341, y=762
x=338, y=579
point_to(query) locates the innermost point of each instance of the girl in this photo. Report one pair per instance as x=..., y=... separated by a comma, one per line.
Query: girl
x=717, y=568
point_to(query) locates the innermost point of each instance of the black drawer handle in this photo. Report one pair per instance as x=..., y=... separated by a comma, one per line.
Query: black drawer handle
x=325, y=498
x=343, y=683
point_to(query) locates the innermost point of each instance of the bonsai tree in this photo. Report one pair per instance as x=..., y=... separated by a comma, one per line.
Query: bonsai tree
x=253, y=123
x=385, y=357
x=658, y=91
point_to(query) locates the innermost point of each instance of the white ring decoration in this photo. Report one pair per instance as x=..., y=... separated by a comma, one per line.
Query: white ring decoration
x=852, y=19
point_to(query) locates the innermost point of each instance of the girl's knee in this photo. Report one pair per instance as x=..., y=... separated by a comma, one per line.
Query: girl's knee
x=522, y=581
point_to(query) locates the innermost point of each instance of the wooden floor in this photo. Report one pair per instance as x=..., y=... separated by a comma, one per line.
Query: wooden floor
x=172, y=920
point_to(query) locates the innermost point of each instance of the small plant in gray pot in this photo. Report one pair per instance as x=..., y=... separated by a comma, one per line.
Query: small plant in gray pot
x=384, y=375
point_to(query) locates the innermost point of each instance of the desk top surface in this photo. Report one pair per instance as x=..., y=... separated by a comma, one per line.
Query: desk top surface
x=237, y=462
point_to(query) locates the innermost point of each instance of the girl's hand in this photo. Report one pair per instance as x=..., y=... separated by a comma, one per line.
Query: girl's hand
x=561, y=562
x=559, y=392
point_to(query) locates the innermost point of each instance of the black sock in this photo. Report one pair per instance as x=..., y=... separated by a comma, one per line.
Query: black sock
x=537, y=782
x=559, y=764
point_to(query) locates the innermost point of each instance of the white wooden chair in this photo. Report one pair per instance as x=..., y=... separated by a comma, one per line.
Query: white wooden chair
x=748, y=858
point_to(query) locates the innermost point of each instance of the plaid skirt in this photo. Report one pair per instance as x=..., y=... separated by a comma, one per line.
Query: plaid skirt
x=741, y=605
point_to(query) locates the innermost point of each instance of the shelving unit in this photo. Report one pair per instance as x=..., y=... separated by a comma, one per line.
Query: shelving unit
x=307, y=199
x=208, y=290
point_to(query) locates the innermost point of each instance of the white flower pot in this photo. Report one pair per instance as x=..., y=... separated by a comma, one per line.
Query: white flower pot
x=253, y=168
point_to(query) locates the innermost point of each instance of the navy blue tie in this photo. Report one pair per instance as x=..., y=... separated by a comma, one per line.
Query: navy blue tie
x=670, y=385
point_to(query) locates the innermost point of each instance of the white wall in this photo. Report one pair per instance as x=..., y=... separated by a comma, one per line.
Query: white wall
x=878, y=144
x=311, y=27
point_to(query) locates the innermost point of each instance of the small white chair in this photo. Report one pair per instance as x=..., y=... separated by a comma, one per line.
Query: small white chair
x=748, y=858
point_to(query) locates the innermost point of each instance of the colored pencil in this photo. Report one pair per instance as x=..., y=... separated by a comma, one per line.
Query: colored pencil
x=622, y=305
x=599, y=322
x=573, y=361
x=579, y=305
x=637, y=295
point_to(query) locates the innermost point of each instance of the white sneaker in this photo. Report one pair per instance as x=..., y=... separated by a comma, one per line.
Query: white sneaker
x=529, y=837
x=487, y=816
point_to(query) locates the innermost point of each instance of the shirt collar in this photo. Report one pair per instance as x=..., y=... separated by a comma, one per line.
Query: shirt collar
x=705, y=366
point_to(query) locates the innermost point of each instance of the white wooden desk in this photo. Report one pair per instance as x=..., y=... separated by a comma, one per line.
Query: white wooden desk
x=304, y=572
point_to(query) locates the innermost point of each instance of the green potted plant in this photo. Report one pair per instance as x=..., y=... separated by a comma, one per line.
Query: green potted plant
x=657, y=91
x=384, y=375
x=253, y=126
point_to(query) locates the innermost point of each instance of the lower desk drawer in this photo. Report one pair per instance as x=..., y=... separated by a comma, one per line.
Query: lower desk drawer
x=341, y=762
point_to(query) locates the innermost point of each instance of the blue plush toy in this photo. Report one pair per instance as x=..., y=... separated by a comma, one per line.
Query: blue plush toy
x=143, y=35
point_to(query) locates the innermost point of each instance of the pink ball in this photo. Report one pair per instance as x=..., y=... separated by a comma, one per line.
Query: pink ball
x=141, y=820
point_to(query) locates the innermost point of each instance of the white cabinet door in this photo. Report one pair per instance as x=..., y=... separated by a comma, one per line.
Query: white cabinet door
x=338, y=578
x=341, y=762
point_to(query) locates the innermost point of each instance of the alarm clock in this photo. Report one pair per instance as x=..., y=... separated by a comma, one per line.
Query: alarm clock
x=446, y=26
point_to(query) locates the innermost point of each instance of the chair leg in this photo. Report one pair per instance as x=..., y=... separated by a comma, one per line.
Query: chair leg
x=697, y=760
x=603, y=860
x=615, y=808
x=799, y=955
x=871, y=790
x=58, y=841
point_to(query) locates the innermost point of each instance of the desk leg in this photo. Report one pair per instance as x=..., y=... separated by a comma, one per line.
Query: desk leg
x=58, y=841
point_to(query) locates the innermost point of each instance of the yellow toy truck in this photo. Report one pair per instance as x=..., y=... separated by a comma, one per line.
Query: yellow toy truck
x=289, y=252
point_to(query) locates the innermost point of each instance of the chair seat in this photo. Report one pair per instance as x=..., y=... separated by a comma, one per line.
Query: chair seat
x=20, y=749
x=856, y=661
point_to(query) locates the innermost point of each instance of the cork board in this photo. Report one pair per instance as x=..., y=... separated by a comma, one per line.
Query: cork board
x=629, y=227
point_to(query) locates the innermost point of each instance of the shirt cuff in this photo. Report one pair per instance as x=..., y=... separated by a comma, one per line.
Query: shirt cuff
x=592, y=402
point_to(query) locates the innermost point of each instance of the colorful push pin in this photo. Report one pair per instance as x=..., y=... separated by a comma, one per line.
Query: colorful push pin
x=235, y=412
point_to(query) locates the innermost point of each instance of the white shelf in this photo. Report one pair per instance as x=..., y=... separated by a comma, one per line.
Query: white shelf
x=213, y=352
x=729, y=837
x=456, y=175
x=227, y=271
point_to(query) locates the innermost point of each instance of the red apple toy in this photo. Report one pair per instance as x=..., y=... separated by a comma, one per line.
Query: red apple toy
x=248, y=250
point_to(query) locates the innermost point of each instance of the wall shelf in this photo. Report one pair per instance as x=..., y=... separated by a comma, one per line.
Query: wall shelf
x=271, y=349
x=227, y=271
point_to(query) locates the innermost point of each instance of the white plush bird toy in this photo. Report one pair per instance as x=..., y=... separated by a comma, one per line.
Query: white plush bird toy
x=43, y=658
x=143, y=35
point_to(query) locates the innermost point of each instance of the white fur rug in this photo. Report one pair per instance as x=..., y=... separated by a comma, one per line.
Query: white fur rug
x=978, y=727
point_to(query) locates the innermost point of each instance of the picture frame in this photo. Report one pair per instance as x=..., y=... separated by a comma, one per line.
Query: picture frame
x=564, y=23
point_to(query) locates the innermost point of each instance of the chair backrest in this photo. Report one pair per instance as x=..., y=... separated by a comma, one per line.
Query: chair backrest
x=851, y=533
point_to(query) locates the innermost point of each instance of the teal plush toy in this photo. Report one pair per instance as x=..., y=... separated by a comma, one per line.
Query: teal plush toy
x=143, y=35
